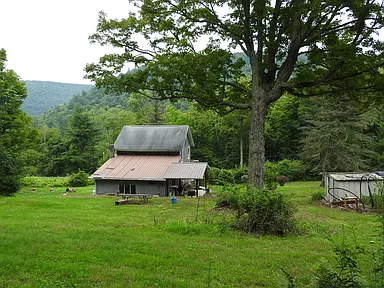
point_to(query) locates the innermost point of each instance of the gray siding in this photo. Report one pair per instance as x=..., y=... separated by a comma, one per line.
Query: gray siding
x=186, y=151
x=105, y=186
x=142, y=187
x=332, y=186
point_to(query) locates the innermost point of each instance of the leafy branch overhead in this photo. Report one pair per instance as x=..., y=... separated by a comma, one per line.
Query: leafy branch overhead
x=336, y=37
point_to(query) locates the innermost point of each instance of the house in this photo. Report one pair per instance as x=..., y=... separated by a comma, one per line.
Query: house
x=342, y=185
x=152, y=160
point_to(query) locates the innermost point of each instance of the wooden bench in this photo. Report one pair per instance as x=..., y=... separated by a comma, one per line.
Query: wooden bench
x=143, y=197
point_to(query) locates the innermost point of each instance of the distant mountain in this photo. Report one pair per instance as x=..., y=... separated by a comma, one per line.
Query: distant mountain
x=44, y=95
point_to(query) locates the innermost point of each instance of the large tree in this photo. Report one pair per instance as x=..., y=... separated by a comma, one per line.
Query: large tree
x=306, y=47
x=15, y=128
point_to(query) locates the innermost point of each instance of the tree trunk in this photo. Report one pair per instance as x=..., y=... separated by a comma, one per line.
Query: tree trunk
x=256, y=158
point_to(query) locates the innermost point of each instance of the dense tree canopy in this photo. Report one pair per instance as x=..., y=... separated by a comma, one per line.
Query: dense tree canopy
x=16, y=134
x=336, y=37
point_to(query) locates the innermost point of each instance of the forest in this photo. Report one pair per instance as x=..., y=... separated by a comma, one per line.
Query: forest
x=312, y=135
x=303, y=136
x=303, y=97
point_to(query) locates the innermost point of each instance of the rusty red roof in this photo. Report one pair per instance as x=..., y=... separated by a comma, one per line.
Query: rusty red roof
x=135, y=167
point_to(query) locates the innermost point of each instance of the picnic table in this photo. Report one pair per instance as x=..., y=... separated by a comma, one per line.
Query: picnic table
x=143, y=197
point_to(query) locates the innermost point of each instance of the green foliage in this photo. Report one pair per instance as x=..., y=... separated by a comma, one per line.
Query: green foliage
x=38, y=182
x=225, y=177
x=378, y=253
x=239, y=174
x=293, y=169
x=233, y=198
x=43, y=95
x=261, y=211
x=16, y=133
x=338, y=144
x=79, y=179
x=317, y=196
x=83, y=138
x=9, y=171
x=282, y=128
x=346, y=272
x=341, y=56
x=291, y=281
x=268, y=212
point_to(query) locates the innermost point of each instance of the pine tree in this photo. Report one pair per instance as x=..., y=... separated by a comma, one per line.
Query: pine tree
x=335, y=138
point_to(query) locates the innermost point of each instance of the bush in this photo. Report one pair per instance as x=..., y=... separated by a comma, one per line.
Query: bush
x=269, y=212
x=293, y=169
x=212, y=175
x=345, y=273
x=239, y=173
x=10, y=174
x=317, y=196
x=79, y=179
x=233, y=198
x=225, y=177
x=35, y=181
x=270, y=174
x=244, y=179
x=261, y=211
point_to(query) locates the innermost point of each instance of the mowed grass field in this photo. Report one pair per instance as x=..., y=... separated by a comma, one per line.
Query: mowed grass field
x=80, y=240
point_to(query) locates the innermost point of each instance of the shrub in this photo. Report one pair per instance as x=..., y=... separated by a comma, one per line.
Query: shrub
x=232, y=197
x=79, y=179
x=261, y=211
x=317, y=196
x=270, y=174
x=239, y=173
x=10, y=174
x=225, y=177
x=268, y=212
x=346, y=272
x=35, y=181
x=212, y=175
x=293, y=169
x=244, y=179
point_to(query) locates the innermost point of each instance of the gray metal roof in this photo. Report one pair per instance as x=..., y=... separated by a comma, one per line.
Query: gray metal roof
x=162, y=138
x=135, y=167
x=354, y=176
x=186, y=170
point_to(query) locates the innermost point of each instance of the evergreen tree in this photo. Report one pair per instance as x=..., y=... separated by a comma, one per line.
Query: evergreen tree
x=82, y=137
x=335, y=138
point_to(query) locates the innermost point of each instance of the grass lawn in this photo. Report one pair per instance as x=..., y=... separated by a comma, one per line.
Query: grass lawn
x=80, y=240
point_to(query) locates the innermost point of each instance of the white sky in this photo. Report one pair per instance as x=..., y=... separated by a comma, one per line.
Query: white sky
x=48, y=40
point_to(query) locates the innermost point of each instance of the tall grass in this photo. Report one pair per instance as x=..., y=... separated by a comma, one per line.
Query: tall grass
x=79, y=240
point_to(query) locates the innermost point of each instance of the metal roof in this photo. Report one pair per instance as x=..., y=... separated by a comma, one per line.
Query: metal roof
x=153, y=138
x=354, y=176
x=186, y=170
x=135, y=167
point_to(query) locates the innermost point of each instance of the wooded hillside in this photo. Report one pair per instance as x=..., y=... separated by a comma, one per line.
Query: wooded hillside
x=44, y=95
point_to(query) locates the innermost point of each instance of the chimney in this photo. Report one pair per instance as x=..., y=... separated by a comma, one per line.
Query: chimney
x=111, y=150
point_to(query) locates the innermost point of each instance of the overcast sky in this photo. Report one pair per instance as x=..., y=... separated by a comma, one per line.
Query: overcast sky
x=48, y=40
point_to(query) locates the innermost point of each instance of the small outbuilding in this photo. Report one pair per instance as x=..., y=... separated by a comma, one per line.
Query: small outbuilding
x=343, y=185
